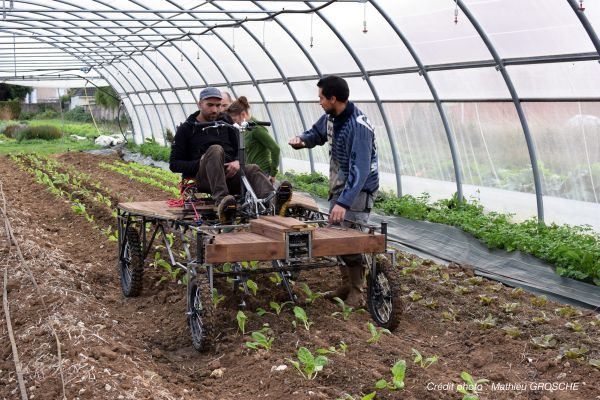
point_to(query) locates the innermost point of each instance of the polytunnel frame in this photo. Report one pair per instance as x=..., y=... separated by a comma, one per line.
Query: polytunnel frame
x=499, y=63
x=82, y=56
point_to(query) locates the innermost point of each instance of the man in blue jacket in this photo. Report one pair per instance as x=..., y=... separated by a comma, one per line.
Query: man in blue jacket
x=353, y=171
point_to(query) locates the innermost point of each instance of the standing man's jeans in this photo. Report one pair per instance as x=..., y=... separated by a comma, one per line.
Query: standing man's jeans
x=211, y=177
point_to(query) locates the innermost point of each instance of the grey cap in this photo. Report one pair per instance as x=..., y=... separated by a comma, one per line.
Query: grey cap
x=209, y=92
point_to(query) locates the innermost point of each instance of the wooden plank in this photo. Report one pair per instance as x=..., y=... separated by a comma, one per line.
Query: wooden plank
x=244, y=246
x=160, y=209
x=299, y=200
x=287, y=222
x=338, y=242
x=263, y=227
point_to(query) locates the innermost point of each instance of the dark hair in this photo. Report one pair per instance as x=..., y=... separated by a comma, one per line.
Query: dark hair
x=238, y=106
x=334, y=86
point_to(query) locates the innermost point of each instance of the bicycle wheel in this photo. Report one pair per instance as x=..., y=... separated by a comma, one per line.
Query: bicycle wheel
x=131, y=264
x=383, y=292
x=200, y=311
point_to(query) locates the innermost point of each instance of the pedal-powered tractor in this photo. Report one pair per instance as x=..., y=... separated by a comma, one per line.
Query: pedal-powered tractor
x=300, y=240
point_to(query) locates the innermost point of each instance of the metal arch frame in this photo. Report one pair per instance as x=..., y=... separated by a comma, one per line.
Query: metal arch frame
x=75, y=27
x=53, y=44
x=515, y=97
x=278, y=67
x=245, y=68
x=375, y=96
x=449, y=134
x=586, y=24
x=146, y=72
x=317, y=70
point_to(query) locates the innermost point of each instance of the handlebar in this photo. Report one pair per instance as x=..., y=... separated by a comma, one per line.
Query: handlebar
x=240, y=127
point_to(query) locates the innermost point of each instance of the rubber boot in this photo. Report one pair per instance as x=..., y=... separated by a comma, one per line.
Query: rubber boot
x=355, y=297
x=344, y=289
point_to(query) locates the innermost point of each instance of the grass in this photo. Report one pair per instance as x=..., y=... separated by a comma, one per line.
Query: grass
x=74, y=128
x=11, y=146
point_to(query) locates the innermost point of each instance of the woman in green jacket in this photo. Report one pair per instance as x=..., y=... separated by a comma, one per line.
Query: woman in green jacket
x=261, y=148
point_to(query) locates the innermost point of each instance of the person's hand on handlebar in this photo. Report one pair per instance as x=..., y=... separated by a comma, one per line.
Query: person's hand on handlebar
x=297, y=143
x=231, y=168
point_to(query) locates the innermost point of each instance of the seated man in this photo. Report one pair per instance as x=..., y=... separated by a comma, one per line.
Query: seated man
x=211, y=157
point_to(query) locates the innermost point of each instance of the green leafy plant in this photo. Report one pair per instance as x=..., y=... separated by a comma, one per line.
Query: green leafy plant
x=275, y=278
x=509, y=308
x=251, y=285
x=471, y=387
x=512, y=331
x=241, y=320
x=398, y=374
x=449, y=315
x=278, y=307
x=544, y=341
x=542, y=319
x=307, y=365
x=487, y=323
x=462, y=290
x=423, y=362
x=575, y=326
x=301, y=315
x=346, y=310
x=430, y=303
x=475, y=280
x=486, y=300
x=216, y=297
x=376, y=333
x=170, y=274
x=260, y=340
x=415, y=296
x=573, y=353
x=539, y=301
x=310, y=295
x=567, y=312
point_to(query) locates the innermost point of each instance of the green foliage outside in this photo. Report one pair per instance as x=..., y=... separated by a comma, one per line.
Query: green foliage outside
x=9, y=109
x=78, y=114
x=14, y=92
x=45, y=132
x=573, y=250
x=107, y=97
x=151, y=149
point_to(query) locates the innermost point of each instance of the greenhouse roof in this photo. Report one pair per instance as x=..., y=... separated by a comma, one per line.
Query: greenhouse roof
x=497, y=94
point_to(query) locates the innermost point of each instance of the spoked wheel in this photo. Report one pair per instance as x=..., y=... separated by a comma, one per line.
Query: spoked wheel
x=200, y=311
x=131, y=264
x=383, y=292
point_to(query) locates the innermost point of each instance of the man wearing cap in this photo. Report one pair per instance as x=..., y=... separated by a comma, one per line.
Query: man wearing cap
x=210, y=156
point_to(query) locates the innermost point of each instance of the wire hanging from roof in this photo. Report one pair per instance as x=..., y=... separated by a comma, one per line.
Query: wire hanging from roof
x=311, y=30
x=581, y=7
x=456, y=12
x=365, y=30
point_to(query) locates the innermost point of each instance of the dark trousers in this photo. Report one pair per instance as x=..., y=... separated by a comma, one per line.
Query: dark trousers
x=211, y=177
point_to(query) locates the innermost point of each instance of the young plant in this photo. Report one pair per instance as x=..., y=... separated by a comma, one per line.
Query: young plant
x=397, y=382
x=487, y=323
x=252, y=286
x=575, y=326
x=485, y=300
x=567, y=312
x=376, y=333
x=277, y=307
x=346, y=310
x=471, y=387
x=542, y=319
x=496, y=288
x=328, y=350
x=512, y=331
x=343, y=347
x=241, y=320
x=461, y=290
x=573, y=353
x=310, y=295
x=430, y=303
x=517, y=292
x=539, y=301
x=423, y=363
x=475, y=280
x=415, y=296
x=449, y=315
x=275, y=278
x=301, y=315
x=308, y=365
x=170, y=274
x=509, y=308
x=260, y=340
x=594, y=363
x=544, y=341
x=216, y=297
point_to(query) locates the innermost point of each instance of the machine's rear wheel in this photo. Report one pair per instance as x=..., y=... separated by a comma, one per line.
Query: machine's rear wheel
x=200, y=311
x=131, y=264
x=383, y=292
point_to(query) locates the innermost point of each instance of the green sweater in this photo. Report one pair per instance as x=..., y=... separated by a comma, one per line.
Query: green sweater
x=262, y=150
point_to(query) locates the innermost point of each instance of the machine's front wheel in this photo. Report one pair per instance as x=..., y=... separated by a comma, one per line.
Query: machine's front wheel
x=383, y=292
x=131, y=264
x=200, y=311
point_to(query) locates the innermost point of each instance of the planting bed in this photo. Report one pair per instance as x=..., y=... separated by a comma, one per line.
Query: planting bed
x=114, y=347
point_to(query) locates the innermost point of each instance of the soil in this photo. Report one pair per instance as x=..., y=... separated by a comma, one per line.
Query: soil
x=113, y=347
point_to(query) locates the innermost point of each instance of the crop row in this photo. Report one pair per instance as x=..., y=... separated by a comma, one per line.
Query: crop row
x=132, y=172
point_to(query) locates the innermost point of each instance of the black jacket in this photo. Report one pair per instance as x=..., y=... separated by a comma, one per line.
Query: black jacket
x=192, y=140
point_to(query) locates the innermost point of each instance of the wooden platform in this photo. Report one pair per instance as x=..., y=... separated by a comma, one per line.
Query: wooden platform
x=160, y=209
x=266, y=241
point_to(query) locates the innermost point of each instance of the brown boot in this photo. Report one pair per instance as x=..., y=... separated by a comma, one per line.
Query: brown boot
x=355, y=297
x=344, y=289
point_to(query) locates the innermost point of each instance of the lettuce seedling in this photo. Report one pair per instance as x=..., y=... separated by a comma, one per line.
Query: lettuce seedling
x=471, y=386
x=575, y=326
x=595, y=363
x=260, y=340
x=567, y=312
x=544, y=341
x=449, y=315
x=461, y=290
x=252, y=286
x=573, y=352
x=328, y=350
x=376, y=333
x=308, y=365
x=275, y=278
x=509, y=308
x=346, y=310
x=310, y=295
x=398, y=373
x=415, y=296
x=301, y=315
x=487, y=323
x=216, y=297
x=485, y=300
x=475, y=280
x=430, y=303
x=541, y=319
x=512, y=331
x=426, y=363
x=496, y=288
x=517, y=292
x=539, y=301
x=278, y=307
x=241, y=320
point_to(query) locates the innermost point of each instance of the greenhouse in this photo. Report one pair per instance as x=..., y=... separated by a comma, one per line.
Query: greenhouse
x=486, y=121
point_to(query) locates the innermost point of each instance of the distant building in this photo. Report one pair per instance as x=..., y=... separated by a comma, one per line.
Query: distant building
x=83, y=97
